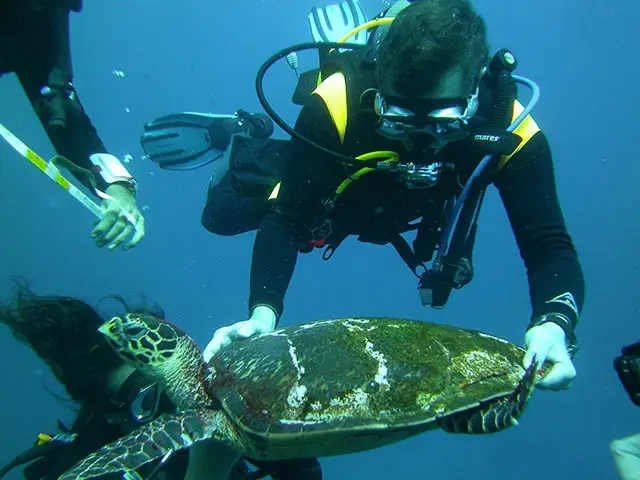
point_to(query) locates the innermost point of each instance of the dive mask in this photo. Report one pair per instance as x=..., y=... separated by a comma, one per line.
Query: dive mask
x=628, y=367
x=136, y=403
x=444, y=120
x=144, y=406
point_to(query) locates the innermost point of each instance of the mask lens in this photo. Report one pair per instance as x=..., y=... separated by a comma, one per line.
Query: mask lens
x=442, y=119
x=145, y=405
x=447, y=131
x=393, y=130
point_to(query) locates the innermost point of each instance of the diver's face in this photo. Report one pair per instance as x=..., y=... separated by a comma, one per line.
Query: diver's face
x=439, y=115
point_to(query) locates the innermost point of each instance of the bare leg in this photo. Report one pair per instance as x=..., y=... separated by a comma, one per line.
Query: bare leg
x=211, y=460
x=626, y=456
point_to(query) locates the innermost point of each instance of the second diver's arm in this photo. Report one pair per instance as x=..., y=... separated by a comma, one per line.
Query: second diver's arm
x=46, y=80
x=309, y=176
x=528, y=190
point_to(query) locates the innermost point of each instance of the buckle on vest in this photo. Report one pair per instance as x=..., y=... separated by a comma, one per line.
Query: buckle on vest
x=318, y=243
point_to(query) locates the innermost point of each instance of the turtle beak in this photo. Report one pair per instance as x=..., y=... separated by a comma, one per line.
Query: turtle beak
x=105, y=328
x=110, y=328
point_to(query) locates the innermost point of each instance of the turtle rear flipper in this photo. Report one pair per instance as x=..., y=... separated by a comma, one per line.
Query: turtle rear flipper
x=152, y=441
x=495, y=415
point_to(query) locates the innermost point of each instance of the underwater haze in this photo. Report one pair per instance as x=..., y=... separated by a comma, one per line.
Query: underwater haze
x=140, y=59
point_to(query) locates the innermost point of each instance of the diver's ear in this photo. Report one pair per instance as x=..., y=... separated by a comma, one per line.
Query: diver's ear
x=369, y=99
x=478, y=79
x=483, y=71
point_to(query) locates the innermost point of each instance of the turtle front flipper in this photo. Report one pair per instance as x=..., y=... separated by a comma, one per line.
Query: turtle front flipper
x=167, y=433
x=495, y=415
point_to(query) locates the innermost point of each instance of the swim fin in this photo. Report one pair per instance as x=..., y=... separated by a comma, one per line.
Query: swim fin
x=189, y=140
x=331, y=23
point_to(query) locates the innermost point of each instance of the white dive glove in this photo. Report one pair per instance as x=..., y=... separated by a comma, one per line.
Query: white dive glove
x=626, y=456
x=547, y=342
x=263, y=320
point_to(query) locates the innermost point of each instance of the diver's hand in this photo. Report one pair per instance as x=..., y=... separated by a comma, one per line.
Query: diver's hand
x=263, y=320
x=626, y=456
x=120, y=219
x=546, y=342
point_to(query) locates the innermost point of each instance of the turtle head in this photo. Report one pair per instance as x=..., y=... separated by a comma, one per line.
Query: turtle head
x=163, y=352
x=143, y=340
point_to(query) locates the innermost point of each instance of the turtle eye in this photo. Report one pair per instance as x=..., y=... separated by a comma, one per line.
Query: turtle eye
x=128, y=355
x=134, y=331
x=143, y=358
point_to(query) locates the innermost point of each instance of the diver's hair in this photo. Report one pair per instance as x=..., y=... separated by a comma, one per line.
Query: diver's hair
x=425, y=40
x=63, y=332
x=145, y=306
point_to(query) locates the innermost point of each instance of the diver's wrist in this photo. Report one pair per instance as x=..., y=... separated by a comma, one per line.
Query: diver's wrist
x=118, y=187
x=265, y=316
x=113, y=172
x=564, y=323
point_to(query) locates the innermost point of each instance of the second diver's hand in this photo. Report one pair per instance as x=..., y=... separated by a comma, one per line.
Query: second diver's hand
x=263, y=320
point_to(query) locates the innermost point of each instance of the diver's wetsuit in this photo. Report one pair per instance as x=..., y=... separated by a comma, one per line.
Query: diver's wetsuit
x=375, y=203
x=237, y=203
x=34, y=43
x=94, y=430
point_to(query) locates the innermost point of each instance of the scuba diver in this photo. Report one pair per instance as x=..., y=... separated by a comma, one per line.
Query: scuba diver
x=404, y=133
x=113, y=397
x=401, y=131
x=626, y=451
x=34, y=44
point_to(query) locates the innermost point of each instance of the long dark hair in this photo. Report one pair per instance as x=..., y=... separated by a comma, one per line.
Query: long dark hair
x=62, y=331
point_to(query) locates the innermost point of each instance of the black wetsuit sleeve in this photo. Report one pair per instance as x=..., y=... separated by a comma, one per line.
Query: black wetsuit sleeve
x=528, y=190
x=44, y=49
x=309, y=175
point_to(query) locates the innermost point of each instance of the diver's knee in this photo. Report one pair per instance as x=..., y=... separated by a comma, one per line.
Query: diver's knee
x=217, y=224
x=257, y=125
x=225, y=222
x=230, y=213
x=254, y=125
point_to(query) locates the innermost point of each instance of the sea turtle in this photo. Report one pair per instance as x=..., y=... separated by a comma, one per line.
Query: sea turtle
x=318, y=389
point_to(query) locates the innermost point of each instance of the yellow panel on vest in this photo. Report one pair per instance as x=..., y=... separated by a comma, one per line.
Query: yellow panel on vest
x=275, y=192
x=44, y=438
x=333, y=92
x=526, y=130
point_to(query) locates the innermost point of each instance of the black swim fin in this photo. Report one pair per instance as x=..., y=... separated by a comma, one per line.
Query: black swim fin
x=184, y=141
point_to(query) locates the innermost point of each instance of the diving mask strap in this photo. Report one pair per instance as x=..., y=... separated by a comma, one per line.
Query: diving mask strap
x=144, y=406
x=473, y=103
